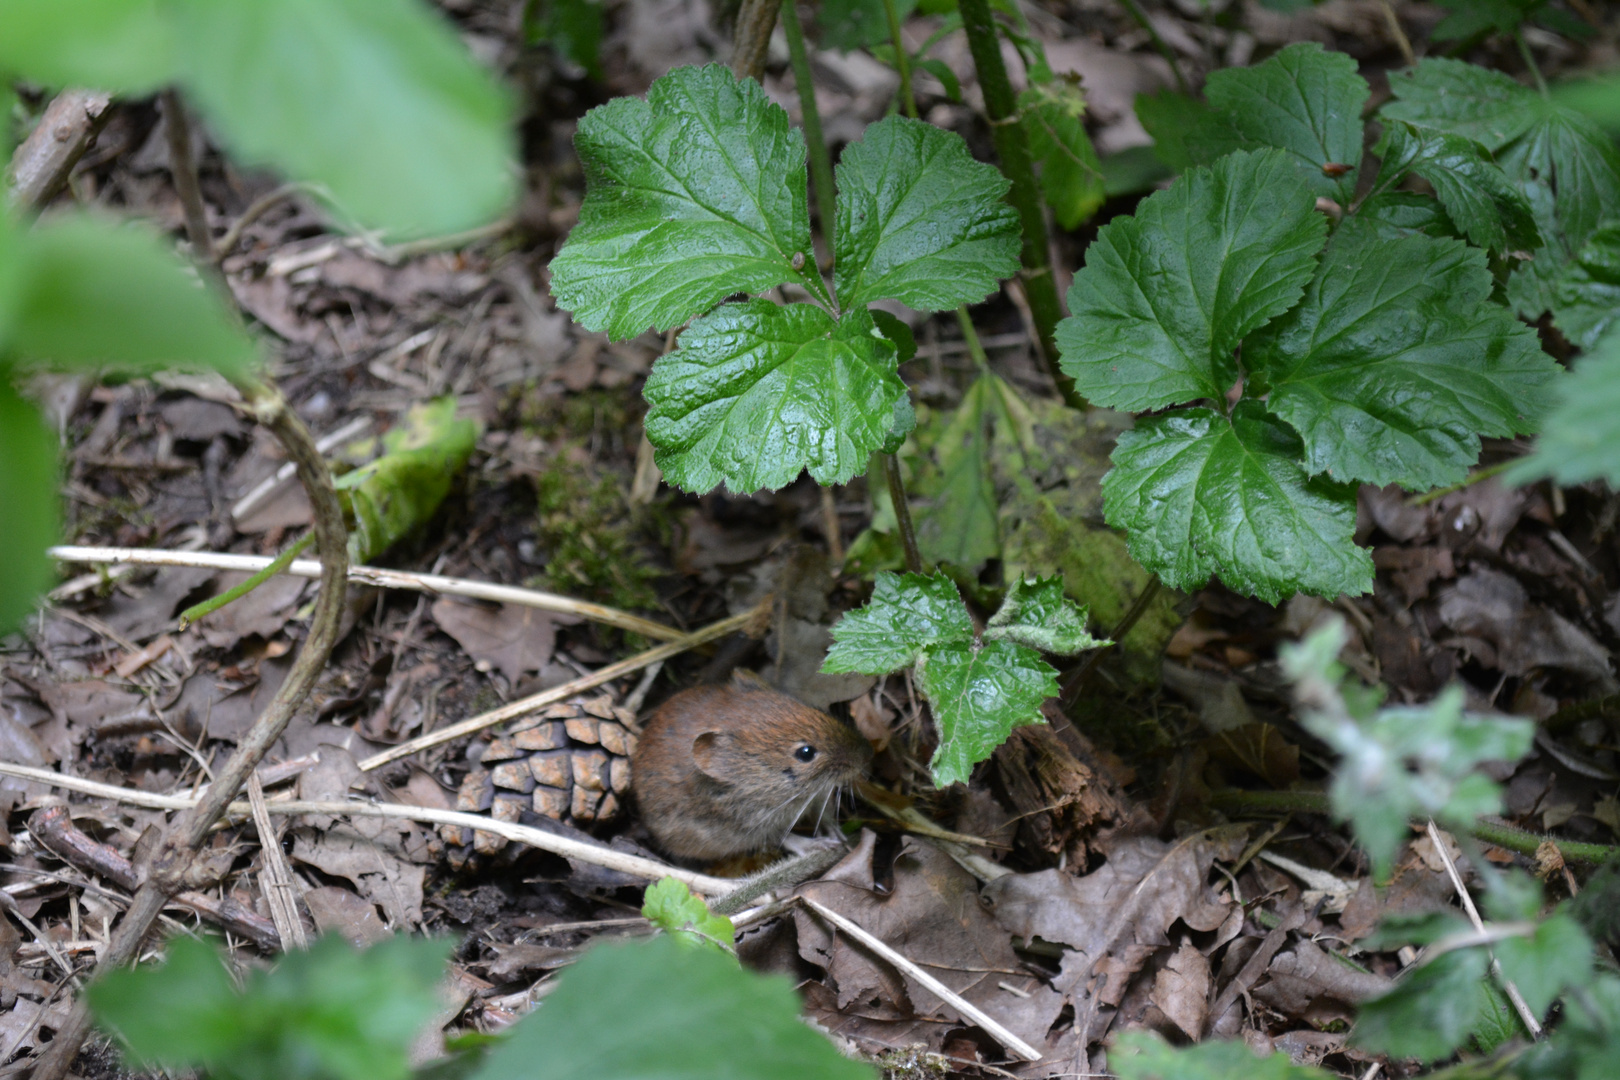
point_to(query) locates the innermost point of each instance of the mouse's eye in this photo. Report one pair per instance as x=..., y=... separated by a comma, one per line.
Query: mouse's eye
x=805, y=753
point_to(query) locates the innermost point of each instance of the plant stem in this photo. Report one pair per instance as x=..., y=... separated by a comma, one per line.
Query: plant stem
x=1159, y=43
x=1530, y=62
x=1473, y=478
x=1012, y=146
x=902, y=60
x=183, y=170
x=241, y=589
x=751, y=40
x=974, y=346
x=889, y=466
x=821, y=173
x=1315, y=802
x=1077, y=681
x=41, y=163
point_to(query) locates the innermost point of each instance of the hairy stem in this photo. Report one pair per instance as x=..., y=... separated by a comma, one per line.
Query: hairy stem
x=902, y=60
x=751, y=41
x=821, y=172
x=889, y=466
x=1012, y=146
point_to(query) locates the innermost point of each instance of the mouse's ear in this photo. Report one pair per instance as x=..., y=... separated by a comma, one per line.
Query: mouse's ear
x=709, y=753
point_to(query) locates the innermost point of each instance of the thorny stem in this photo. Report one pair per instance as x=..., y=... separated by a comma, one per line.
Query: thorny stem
x=1520, y=841
x=183, y=171
x=1530, y=62
x=1012, y=146
x=821, y=172
x=1159, y=43
x=902, y=510
x=167, y=869
x=902, y=60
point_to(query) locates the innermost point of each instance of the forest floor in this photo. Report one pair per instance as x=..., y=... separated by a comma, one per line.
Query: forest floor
x=1243, y=921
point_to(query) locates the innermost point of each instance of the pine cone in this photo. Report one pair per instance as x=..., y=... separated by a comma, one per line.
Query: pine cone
x=570, y=762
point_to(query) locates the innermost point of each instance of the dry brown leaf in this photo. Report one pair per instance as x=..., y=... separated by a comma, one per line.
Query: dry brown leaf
x=509, y=637
x=1181, y=989
x=339, y=911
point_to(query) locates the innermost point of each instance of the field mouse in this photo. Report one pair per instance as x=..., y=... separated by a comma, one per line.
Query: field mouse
x=726, y=770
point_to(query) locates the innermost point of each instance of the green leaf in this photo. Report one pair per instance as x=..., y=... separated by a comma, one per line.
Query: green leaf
x=1036, y=613
x=1201, y=494
x=28, y=477
x=1586, y=296
x=1071, y=175
x=1143, y=1055
x=907, y=613
x=899, y=334
x=1172, y=119
x=1430, y=1013
x=1167, y=294
x=1476, y=194
x=847, y=25
x=1557, y=955
x=398, y=493
x=378, y=100
x=1584, y=1045
x=574, y=28
x=1471, y=17
x=758, y=392
x=329, y=1013
x=978, y=694
x=1397, y=361
x=1581, y=437
x=958, y=525
x=669, y=905
x=1572, y=158
x=659, y=1010
x=1396, y=214
x=919, y=221
x=100, y=294
x=692, y=195
x=1464, y=99
x=1306, y=101
x=125, y=46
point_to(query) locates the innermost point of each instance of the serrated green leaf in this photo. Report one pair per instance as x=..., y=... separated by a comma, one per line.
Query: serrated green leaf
x=328, y=1013
x=398, y=492
x=1200, y=494
x=1071, y=175
x=669, y=905
x=759, y=392
x=1143, y=1055
x=1583, y=1046
x=847, y=25
x=28, y=478
x=919, y=221
x=378, y=100
x=97, y=293
x=658, y=1010
x=978, y=694
x=1037, y=613
x=1396, y=214
x=1396, y=362
x=692, y=195
x=1167, y=294
x=1476, y=194
x=1572, y=158
x=957, y=523
x=1431, y=1012
x=1304, y=100
x=1581, y=437
x=125, y=46
x=899, y=334
x=1172, y=119
x=907, y=613
x=1464, y=99
x=1557, y=955
x=1585, y=298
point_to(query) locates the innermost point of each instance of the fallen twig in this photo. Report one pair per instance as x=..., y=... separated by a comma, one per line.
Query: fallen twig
x=40, y=166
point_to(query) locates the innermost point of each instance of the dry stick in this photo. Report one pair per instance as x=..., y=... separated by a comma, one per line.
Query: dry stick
x=376, y=576
x=596, y=855
x=1519, y=1004
x=967, y=1009
x=524, y=706
x=263, y=490
x=166, y=872
x=751, y=42
x=255, y=210
x=40, y=166
x=275, y=880
x=183, y=171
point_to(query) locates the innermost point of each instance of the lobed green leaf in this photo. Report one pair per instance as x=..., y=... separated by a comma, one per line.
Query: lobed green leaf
x=759, y=392
x=1430, y=1013
x=920, y=221
x=1071, y=174
x=1397, y=361
x=978, y=694
x=1477, y=194
x=1304, y=100
x=907, y=613
x=1036, y=612
x=1463, y=99
x=669, y=905
x=1585, y=298
x=1581, y=437
x=1167, y=295
x=659, y=1009
x=1202, y=494
x=1558, y=955
x=692, y=195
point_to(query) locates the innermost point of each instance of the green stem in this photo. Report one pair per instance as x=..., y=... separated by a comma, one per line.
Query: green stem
x=974, y=345
x=1012, y=146
x=1530, y=62
x=889, y=466
x=236, y=592
x=902, y=60
x=1159, y=43
x=1521, y=841
x=821, y=172
x=1473, y=478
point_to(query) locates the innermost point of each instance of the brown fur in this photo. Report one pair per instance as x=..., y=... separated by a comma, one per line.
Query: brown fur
x=715, y=771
